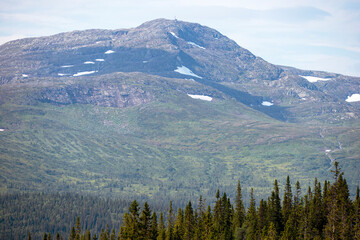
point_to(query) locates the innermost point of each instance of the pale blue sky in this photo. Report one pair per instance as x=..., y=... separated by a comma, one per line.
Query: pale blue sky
x=308, y=34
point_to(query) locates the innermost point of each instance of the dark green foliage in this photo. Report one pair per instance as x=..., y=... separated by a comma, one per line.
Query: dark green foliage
x=251, y=222
x=39, y=213
x=161, y=228
x=323, y=213
x=275, y=213
x=239, y=214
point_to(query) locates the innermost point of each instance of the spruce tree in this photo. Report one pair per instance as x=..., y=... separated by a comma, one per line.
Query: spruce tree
x=153, y=227
x=275, y=212
x=339, y=219
x=263, y=216
x=189, y=222
x=287, y=201
x=170, y=223
x=239, y=215
x=251, y=219
x=145, y=222
x=208, y=225
x=161, y=228
x=179, y=225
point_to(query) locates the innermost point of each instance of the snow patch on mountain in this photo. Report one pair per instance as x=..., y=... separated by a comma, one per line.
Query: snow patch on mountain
x=185, y=71
x=195, y=45
x=201, y=97
x=100, y=60
x=2, y=130
x=267, y=104
x=353, y=98
x=83, y=73
x=67, y=66
x=62, y=74
x=109, y=52
x=315, y=79
x=174, y=34
x=89, y=62
x=25, y=75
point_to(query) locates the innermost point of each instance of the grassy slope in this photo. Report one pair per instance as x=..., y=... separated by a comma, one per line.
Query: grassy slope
x=174, y=146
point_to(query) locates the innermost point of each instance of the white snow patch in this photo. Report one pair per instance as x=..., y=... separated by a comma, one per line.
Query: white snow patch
x=89, y=62
x=62, y=74
x=100, y=60
x=315, y=79
x=194, y=44
x=25, y=75
x=184, y=70
x=267, y=104
x=174, y=35
x=109, y=52
x=2, y=130
x=327, y=150
x=145, y=61
x=353, y=98
x=67, y=66
x=201, y=97
x=83, y=73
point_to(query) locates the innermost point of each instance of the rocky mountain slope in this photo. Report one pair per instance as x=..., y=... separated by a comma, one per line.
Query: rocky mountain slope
x=123, y=112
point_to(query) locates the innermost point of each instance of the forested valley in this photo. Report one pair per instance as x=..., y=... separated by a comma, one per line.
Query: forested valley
x=326, y=211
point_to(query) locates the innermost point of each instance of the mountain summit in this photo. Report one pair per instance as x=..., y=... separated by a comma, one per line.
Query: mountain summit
x=166, y=106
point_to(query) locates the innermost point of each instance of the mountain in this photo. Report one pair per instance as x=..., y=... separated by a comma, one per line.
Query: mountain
x=166, y=109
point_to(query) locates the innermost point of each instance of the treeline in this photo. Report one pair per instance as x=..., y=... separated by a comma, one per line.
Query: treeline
x=39, y=212
x=325, y=212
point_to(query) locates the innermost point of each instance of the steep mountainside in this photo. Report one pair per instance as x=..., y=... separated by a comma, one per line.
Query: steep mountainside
x=168, y=109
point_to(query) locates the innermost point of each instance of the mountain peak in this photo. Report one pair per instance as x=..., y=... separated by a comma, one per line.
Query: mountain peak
x=174, y=49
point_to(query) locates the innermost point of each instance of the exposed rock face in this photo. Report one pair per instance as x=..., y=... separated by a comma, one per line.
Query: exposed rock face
x=104, y=95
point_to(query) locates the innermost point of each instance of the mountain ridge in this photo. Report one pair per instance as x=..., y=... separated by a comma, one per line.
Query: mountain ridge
x=111, y=112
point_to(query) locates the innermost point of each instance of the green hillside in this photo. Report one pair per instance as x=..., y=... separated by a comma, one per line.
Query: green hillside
x=172, y=146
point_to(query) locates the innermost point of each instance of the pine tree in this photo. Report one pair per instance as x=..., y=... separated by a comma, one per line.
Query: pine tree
x=131, y=226
x=305, y=228
x=317, y=218
x=145, y=222
x=239, y=215
x=153, y=227
x=263, y=216
x=287, y=201
x=189, y=222
x=179, y=225
x=275, y=212
x=251, y=219
x=272, y=233
x=208, y=225
x=29, y=236
x=339, y=218
x=161, y=229
x=170, y=223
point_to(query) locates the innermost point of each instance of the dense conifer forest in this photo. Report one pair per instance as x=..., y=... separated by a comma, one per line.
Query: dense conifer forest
x=324, y=212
